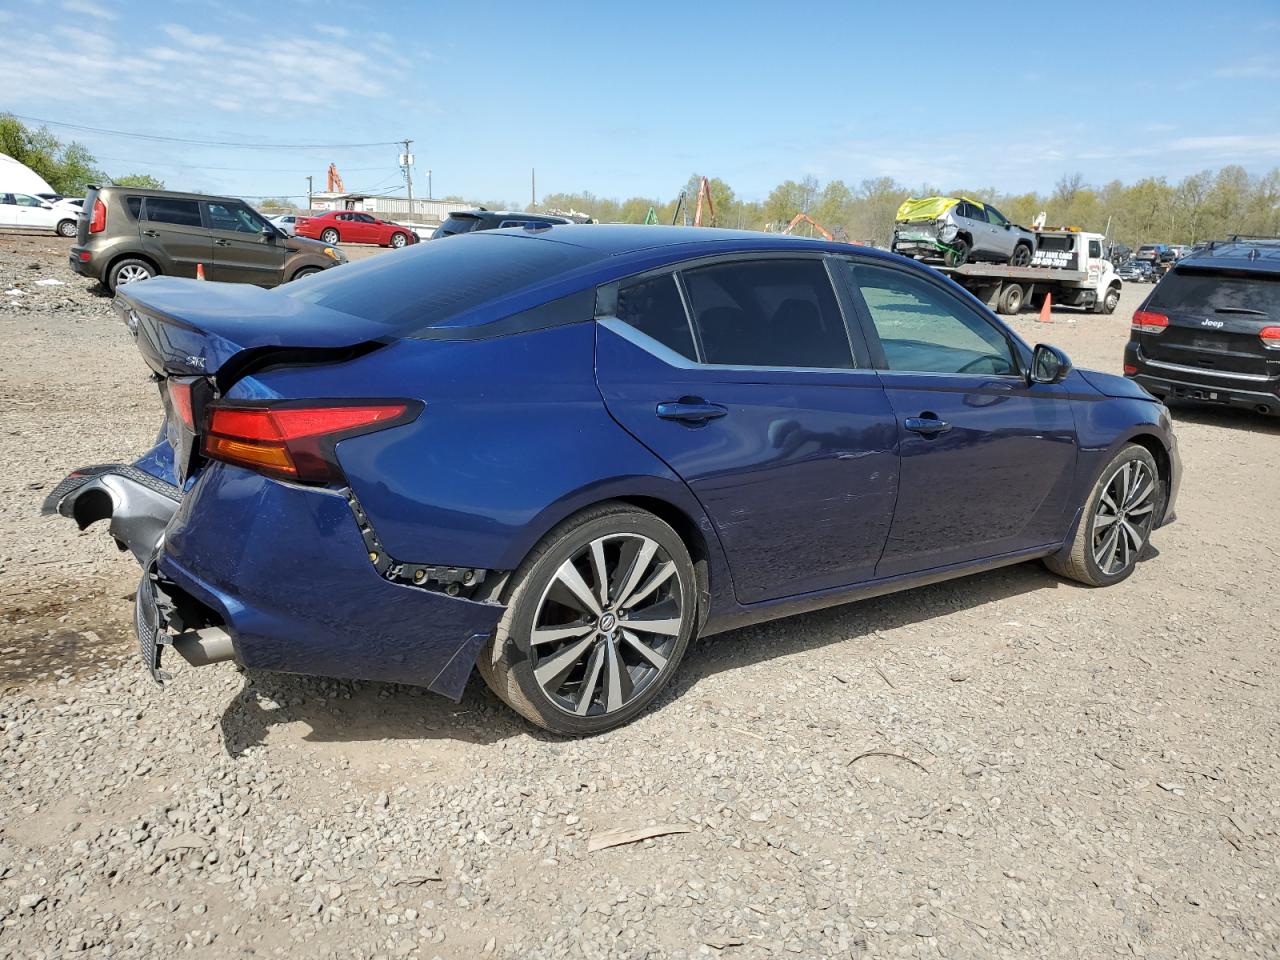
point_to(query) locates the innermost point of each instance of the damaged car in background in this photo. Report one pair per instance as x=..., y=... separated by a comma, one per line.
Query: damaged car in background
x=693, y=430
x=958, y=230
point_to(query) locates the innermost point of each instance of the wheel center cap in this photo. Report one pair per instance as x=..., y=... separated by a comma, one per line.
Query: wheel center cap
x=608, y=622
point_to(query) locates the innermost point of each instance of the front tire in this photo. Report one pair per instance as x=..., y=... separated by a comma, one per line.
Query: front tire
x=1118, y=519
x=398, y=240
x=66, y=228
x=598, y=618
x=1021, y=256
x=304, y=272
x=329, y=235
x=1108, y=302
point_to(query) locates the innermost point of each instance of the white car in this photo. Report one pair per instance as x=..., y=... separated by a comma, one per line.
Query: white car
x=287, y=223
x=22, y=211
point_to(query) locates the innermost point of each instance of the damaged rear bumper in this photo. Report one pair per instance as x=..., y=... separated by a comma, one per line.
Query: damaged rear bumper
x=138, y=504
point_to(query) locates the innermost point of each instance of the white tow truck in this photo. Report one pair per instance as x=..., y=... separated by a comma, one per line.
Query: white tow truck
x=1070, y=265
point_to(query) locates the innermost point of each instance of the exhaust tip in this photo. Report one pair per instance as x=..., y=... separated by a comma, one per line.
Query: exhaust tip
x=205, y=646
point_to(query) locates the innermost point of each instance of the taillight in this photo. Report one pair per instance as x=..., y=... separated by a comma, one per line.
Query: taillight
x=296, y=441
x=1270, y=337
x=1130, y=369
x=1146, y=322
x=180, y=398
x=99, y=221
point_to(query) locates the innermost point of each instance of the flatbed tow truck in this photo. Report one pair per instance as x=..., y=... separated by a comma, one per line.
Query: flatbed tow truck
x=1068, y=264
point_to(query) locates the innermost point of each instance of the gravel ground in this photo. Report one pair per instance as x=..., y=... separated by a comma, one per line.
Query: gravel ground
x=1002, y=766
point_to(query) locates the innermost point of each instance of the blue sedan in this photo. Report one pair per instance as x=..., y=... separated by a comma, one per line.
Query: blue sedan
x=558, y=454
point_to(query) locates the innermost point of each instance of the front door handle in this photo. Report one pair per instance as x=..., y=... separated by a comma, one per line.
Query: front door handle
x=690, y=410
x=222, y=243
x=151, y=233
x=926, y=425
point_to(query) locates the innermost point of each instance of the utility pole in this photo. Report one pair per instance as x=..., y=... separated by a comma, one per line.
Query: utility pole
x=407, y=163
x=429, y=193
x=533, y=187
x=309, y=191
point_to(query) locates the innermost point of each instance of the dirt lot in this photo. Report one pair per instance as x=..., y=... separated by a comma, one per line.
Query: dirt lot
x=1003, y=766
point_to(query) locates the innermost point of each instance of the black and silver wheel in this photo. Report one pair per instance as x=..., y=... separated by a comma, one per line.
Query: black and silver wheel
x=958, y=255
x=66, y=228
x=598, y=618
x=329, y=235
x=129, y=270
x=398, y=240
x=1119, y=517
x=1021, y=256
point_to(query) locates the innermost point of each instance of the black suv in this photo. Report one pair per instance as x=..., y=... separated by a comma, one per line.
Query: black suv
x=1210, y=330
x=466, y=221
x=125, y=234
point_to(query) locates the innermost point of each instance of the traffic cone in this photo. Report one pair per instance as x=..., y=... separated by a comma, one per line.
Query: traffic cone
x=199, y=271
x=1046, y=309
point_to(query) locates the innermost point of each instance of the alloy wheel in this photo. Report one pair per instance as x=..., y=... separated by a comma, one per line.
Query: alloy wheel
x=606, y=625
x=1123, y=517
x=131, y=273
x=397, y=240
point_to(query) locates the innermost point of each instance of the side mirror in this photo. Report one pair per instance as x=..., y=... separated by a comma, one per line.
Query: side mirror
x=269, y=234
x=1049, y=364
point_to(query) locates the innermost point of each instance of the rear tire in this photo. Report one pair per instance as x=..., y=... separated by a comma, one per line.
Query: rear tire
x=1011, y=299
x=329, y=235
x=958, y=254
x=66, y=228
x=129, y=270
x=591, y=672
x=1116, y=525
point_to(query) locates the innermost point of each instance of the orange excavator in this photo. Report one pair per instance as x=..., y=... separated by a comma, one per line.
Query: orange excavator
x=800, y=218
x=335, y=181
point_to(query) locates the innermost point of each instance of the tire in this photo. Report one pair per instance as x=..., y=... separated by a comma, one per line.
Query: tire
x=1108, y=302
x=1021, y=256
x=399, y=240
x=304, y=272
x=66, y=228
x=329, y=235
x=1011, y=298
x=129, y=270
x=1082, y=563
x=597, y=649
x=958, y=254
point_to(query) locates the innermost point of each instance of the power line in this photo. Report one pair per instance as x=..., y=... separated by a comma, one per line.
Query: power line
x=209, y=143
x=193, y=166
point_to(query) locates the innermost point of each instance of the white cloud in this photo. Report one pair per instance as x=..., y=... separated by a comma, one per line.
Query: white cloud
x=88, y=8
x=1256, y=68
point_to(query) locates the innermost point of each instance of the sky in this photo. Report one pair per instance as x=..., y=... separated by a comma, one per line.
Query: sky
x=629, y=99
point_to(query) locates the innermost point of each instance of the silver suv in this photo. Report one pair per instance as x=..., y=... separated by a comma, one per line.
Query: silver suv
x=966, y=231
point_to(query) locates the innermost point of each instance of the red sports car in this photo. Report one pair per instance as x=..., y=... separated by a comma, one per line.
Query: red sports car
x=351, y=226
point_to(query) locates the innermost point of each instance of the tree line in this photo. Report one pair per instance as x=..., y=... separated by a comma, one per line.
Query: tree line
x=1201, y=206
x=67, y=167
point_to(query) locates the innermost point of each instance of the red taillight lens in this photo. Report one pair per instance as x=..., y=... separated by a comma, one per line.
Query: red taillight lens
x=297, y=441
x=99, y=221
x=1270, y=337
x=1130, y=369
x=1146, y=322
x=84, y=256
x=180, y=398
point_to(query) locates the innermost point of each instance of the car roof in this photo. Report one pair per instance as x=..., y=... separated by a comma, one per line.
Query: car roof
x=176, y=194
x=1237, y=253
x=622, y=239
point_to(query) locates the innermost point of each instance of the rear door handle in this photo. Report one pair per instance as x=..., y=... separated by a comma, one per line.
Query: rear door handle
x=222, y=243
x=690, y=410
x=151, y=233
x=926, y=426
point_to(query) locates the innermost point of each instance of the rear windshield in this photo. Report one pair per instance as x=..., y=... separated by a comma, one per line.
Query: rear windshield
x=456, y=225
x=429, y=284
x=1057, y=244
x=1189, y=290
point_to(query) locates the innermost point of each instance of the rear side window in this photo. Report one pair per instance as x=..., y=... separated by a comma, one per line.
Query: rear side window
x=431, y=283
x=165, y=210
x=654, y=308
x=768, y=313
x=455, y=225
x=135, y=206
x=1191, y=290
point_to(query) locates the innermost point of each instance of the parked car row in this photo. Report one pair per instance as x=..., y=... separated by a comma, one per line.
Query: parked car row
x=25, y=211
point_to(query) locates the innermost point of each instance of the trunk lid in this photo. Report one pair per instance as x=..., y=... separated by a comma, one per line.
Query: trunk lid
x=1216, y=316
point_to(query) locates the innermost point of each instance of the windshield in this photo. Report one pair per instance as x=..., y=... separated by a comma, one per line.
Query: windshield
x=456, y=225
x=432, y=283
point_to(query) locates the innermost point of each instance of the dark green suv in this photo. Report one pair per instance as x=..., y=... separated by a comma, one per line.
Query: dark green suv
x=126, y=234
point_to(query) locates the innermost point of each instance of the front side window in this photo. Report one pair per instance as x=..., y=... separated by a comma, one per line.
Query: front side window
x=926, y=330
x=654, y=307
x=183, y=212
x=233, y=217
x=996, y=217
x=363, y=218
x=1095, y=248
x=25, y=200
x=768, y=313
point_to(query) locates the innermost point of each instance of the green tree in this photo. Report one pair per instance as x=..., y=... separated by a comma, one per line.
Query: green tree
x=148, y=182
x=68, y=168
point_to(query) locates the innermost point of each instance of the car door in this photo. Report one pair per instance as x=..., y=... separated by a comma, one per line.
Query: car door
x=754, y=398
x=174, y=235
x=32, y=213
x=987, y=459
x=370, y=230
x=8, y=210
x=981, y=230
x=245, y=248
x=1003, y=238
